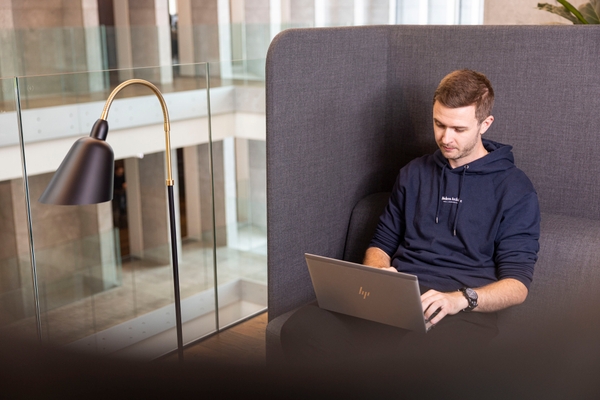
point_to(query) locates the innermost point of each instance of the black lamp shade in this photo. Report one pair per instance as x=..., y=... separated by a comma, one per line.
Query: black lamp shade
x=86, y=174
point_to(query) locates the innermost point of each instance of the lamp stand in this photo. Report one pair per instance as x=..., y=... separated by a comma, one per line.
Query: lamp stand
x=86, y=177
x=170, y=183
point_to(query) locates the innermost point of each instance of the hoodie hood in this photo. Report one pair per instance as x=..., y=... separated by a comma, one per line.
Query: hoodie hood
x=498, y=159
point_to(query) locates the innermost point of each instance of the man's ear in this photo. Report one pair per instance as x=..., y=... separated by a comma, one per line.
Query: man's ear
x=486, y=124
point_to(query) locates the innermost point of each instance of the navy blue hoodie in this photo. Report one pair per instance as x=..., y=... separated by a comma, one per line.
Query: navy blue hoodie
x=462, y=227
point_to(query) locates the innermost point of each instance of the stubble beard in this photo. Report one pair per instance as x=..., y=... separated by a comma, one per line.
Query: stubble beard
x=468, y=150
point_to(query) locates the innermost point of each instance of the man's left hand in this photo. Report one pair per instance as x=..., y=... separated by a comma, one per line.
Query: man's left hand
x=447, y=303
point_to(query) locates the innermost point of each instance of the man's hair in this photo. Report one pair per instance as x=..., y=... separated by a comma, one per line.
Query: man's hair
x=463, y=88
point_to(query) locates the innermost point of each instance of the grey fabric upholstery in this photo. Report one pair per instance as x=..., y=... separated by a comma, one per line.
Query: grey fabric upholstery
x=566, y=279
x=363, y=221
x=347, y=107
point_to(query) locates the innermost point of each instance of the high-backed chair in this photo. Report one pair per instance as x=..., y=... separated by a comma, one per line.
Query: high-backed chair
x=348, y=107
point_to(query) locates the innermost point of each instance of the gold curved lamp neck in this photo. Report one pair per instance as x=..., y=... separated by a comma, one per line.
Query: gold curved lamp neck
x=163, y=104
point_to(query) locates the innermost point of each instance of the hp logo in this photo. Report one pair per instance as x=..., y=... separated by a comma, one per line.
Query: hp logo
x=363, y=293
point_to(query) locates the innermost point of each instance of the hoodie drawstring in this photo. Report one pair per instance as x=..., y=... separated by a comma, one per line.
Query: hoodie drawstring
x=462, y=180
x=437, y=211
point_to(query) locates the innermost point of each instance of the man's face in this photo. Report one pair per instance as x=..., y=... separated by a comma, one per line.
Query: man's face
x=458, y=133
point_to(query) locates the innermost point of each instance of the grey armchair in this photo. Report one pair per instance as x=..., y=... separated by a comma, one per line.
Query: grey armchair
x=348, y=107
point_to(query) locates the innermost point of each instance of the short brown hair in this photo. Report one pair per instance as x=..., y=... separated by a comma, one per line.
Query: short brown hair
x=466, y=87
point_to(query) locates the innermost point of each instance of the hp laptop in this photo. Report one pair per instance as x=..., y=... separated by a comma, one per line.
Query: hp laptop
x=388, y=297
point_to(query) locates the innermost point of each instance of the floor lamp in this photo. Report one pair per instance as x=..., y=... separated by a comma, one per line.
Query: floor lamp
x=86, y=177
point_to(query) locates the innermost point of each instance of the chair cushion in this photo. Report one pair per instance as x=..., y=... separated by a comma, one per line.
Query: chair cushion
x=566, y=277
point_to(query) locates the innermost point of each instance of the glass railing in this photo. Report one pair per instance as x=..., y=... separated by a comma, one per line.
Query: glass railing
x=99, y=277
x=241, y=219
x=122, y=51
x=17, y=293
x=63, y=50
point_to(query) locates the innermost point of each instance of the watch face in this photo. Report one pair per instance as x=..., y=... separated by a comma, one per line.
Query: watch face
x=471, y=293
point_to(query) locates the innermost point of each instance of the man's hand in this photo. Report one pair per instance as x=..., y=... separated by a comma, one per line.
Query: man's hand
x=491, y=298
x=447, y=304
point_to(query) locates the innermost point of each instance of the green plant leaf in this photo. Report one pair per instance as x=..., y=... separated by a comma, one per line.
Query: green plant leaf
x=558, y=10
x=573, y=10
x=591, y=11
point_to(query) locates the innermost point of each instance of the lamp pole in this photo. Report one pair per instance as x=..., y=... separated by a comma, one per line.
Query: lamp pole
x=170, y=182
x=86, y=177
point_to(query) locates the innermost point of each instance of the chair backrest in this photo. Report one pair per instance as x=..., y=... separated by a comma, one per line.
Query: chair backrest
x=363, y=221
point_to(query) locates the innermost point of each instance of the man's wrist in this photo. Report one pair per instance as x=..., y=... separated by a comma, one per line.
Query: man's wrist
x=463, y=302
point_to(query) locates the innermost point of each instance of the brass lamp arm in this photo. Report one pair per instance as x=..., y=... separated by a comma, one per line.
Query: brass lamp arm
x=163, y=104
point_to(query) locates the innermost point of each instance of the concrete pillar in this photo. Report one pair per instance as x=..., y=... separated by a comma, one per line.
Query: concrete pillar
x=123, y=39
x=230, y=191
x=199, y=194
x=257, y=164
x=258, y=32
x=216, y=220
x=147, y=208
x=53, y=37
x=194, y=196
x=243, y=180
x=11, y=305
x=134, y=208
x=92, y=44
x=9, y=58
x=143, y=37
x=238, y=30
x=204, y=35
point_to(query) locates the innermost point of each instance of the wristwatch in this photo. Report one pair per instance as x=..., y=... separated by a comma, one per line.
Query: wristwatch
x=471, y=297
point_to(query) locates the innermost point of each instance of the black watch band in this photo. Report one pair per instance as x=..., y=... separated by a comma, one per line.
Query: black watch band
x=471, y=296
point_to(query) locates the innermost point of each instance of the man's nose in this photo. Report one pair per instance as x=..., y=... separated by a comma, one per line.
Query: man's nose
x=447, y=135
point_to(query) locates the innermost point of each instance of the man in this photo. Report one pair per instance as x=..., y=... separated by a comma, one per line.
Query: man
x=465, y=220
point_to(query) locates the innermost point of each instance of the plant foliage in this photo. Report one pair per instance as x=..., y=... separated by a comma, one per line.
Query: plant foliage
x=588, y=13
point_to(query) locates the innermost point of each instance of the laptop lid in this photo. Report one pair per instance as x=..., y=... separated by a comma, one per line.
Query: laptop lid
x=388, y=297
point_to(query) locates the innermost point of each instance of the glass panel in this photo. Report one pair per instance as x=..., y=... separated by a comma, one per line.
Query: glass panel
x=51, y=50
x=17, y=301
x=239, y=170
x=104, y=270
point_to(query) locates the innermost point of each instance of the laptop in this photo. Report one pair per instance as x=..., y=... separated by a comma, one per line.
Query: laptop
x=387, y=297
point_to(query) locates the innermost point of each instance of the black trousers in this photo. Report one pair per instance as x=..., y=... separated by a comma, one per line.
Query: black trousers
x=314, y=335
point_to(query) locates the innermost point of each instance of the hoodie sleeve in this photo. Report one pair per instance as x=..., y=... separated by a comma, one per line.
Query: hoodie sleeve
x=517, y=243
x=390, y=230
